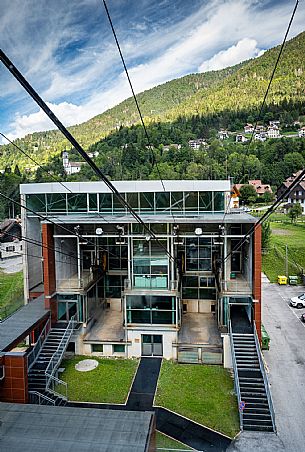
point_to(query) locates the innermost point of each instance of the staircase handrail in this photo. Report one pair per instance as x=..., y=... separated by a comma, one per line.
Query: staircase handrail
x=33, y=355
x=58, y=354
x=41, y=396
x=236, y=378
x=264, y=374
x=56, y=382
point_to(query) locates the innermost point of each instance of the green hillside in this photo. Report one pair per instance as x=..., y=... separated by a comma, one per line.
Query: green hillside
x=235, y=89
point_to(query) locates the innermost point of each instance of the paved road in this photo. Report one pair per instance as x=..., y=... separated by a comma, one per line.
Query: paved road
x=286, y=361
x=11, y=265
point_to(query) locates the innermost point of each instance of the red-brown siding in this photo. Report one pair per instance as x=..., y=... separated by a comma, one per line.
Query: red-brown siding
x=14, y=387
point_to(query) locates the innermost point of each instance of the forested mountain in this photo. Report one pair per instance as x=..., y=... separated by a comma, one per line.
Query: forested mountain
x=195, y=104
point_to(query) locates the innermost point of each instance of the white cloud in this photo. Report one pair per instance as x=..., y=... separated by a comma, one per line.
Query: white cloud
x=220, y=33
x=68, y=113
x=244, y=50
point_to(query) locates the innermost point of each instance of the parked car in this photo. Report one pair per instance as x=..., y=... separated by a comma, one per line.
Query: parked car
x=303, y=317
x=298, y=302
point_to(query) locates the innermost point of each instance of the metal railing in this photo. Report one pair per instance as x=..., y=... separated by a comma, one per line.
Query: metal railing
x=266, y=381
x=33, y=354
x=236, y=378
x=52, y=381
x=35, y=396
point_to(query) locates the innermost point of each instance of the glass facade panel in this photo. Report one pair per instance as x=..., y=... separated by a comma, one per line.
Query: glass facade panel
x=205, y=201
x=105, y=202
x=150, y=265
x=36, y=202
x=151, y=309
x=219, y=201
x=191, y=201
x=177, y=201
x=162, y=201
x=117, y=205
x=199, y=287
x=93, y=205
x=133, y=200
x=147, y=201
x=77, y=202
x=163, y=317
x=114, y=285
x=56, y=202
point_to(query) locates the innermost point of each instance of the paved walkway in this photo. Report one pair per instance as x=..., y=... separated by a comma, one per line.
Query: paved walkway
x=143, y=390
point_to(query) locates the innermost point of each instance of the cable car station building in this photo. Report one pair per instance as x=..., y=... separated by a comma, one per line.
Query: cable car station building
x=131, y=294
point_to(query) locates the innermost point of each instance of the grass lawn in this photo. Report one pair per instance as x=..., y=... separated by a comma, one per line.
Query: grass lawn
x=11, y=292
x=284, y=234
x=107, y=383
x=164, y=442
x=202, y=393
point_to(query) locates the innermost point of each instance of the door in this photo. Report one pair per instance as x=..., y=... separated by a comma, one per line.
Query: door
x=152, y=345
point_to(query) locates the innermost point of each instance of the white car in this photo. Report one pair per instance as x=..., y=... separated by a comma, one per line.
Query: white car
x=298, y=302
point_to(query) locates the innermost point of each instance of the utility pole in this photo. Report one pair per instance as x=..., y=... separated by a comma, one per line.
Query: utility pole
x=286, y=261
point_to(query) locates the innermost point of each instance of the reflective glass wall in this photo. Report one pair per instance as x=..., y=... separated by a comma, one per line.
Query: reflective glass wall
x=150, y=265
x=151, y=309
x=107, y=203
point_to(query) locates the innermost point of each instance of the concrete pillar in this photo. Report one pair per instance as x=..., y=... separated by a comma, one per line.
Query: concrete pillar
x=257, y=277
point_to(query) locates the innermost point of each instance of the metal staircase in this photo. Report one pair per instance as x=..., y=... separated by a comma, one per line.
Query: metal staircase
x=251, y=383
x=44, y=386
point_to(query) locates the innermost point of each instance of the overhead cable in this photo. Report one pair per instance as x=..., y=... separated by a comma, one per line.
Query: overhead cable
x=17, y=74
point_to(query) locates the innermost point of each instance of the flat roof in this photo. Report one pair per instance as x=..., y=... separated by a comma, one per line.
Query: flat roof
x=127, y=186
x=25, y=428
x=209, y=218
x=21, y=322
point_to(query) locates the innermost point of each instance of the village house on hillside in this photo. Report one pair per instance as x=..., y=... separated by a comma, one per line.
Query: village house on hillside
x=10, y=238
x=297, y=195
x=248, y=128
x=166, y=147
x=260, y=188
x=195, y=144
x=70, y=167
x=301, y=132
x=240, y=138
x=273, y=132
x=223, y=134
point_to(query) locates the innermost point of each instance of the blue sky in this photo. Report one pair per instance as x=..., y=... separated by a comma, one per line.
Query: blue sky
x=67, y=52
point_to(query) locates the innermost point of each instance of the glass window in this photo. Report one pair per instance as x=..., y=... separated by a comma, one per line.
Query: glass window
x=133, y=200
x=97, y=348
x=36, y=202
x=138, y=316
x=190, y=281
x=163, y=317
x=177, y=201
x=105, y=202
x=150, y=265
x=117, y=205
x=118, y=348
x=191, y=201
x=56, y=202
x=205, y=201
x=162, y=201
x=93, y=205
x=190, y=293
x=77, y=202
x=147, y=201
x=219, y=201
x=150, y=309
